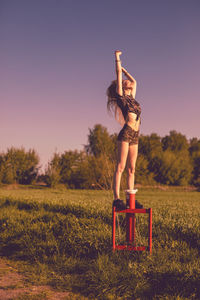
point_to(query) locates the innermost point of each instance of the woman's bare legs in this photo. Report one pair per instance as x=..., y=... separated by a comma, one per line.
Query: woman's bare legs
x=123, y=149
x=131, y=162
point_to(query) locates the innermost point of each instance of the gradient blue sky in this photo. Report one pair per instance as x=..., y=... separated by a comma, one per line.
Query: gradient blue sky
x=57, y=61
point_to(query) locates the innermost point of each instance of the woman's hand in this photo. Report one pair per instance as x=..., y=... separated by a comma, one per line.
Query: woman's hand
x=117, y=54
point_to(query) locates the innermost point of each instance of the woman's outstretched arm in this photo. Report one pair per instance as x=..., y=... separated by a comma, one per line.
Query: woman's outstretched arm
x=119, y=89
x=129, y=77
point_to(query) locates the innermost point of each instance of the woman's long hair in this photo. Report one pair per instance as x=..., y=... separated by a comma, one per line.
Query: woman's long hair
x=112, y=102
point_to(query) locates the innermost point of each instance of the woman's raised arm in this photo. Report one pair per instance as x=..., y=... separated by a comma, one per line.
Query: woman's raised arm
x=119, y=89
x=129, y=77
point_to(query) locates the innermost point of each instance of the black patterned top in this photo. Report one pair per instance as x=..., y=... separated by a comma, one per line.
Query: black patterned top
x=128, y=104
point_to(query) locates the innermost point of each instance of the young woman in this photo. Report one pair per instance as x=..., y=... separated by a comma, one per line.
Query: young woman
x=121, y=98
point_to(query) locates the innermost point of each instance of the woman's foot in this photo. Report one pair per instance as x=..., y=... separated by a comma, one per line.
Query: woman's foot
x=119, y=204
x=138, y=204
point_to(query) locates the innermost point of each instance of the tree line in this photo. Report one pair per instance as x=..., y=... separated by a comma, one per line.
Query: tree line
x=169, y=160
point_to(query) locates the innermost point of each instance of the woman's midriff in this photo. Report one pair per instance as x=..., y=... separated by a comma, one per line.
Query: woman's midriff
x=132, y=122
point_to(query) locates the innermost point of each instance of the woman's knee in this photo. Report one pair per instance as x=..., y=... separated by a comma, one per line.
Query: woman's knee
x=120, y=168
x=131, y=170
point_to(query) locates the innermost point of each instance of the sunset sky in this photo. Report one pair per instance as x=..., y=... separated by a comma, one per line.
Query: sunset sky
x=57, y=59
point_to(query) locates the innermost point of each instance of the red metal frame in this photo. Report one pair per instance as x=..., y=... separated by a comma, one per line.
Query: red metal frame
x=131, y=225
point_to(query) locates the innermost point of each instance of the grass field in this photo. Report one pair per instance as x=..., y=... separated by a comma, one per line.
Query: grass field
x=63, y=238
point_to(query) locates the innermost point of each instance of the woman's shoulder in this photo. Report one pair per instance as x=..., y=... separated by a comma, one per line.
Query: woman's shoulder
x=119, y=96
x=121, y=99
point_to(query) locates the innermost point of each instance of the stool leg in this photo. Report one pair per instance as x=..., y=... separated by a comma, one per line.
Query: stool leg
x=134, y=228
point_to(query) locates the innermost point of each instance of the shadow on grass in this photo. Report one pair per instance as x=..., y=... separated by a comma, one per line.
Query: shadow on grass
x=125, y=284
x=78, y=211
x=191, y=238
x=55, y=230
x=172, y=284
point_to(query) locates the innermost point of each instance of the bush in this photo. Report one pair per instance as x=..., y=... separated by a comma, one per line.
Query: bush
x=19, y=166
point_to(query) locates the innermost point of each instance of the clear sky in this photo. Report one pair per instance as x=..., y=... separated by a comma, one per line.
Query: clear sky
x=57, y=59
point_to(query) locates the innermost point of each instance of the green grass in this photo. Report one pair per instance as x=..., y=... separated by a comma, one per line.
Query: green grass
x=63, y=238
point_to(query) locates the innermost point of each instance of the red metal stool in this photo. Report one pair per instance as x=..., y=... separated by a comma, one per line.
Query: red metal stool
x=131, y=224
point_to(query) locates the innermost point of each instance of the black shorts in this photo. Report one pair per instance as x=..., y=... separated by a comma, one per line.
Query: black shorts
x=129, y=135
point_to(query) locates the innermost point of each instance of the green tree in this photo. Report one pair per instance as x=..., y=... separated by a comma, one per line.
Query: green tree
x=174, y=170
x=1, y=167
x=194, y=150
x=69, y=162
x=150, y=151
x=100, y=141
x=101, y=150
x=101, y=170
x=8, y=175
x=143, y=175
x=175, y=165
x=175, y=142
x=27, y=166
x=20, y=166
x=150, y=146
x=70, y=168
x=52, y=173
x=81, y=176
